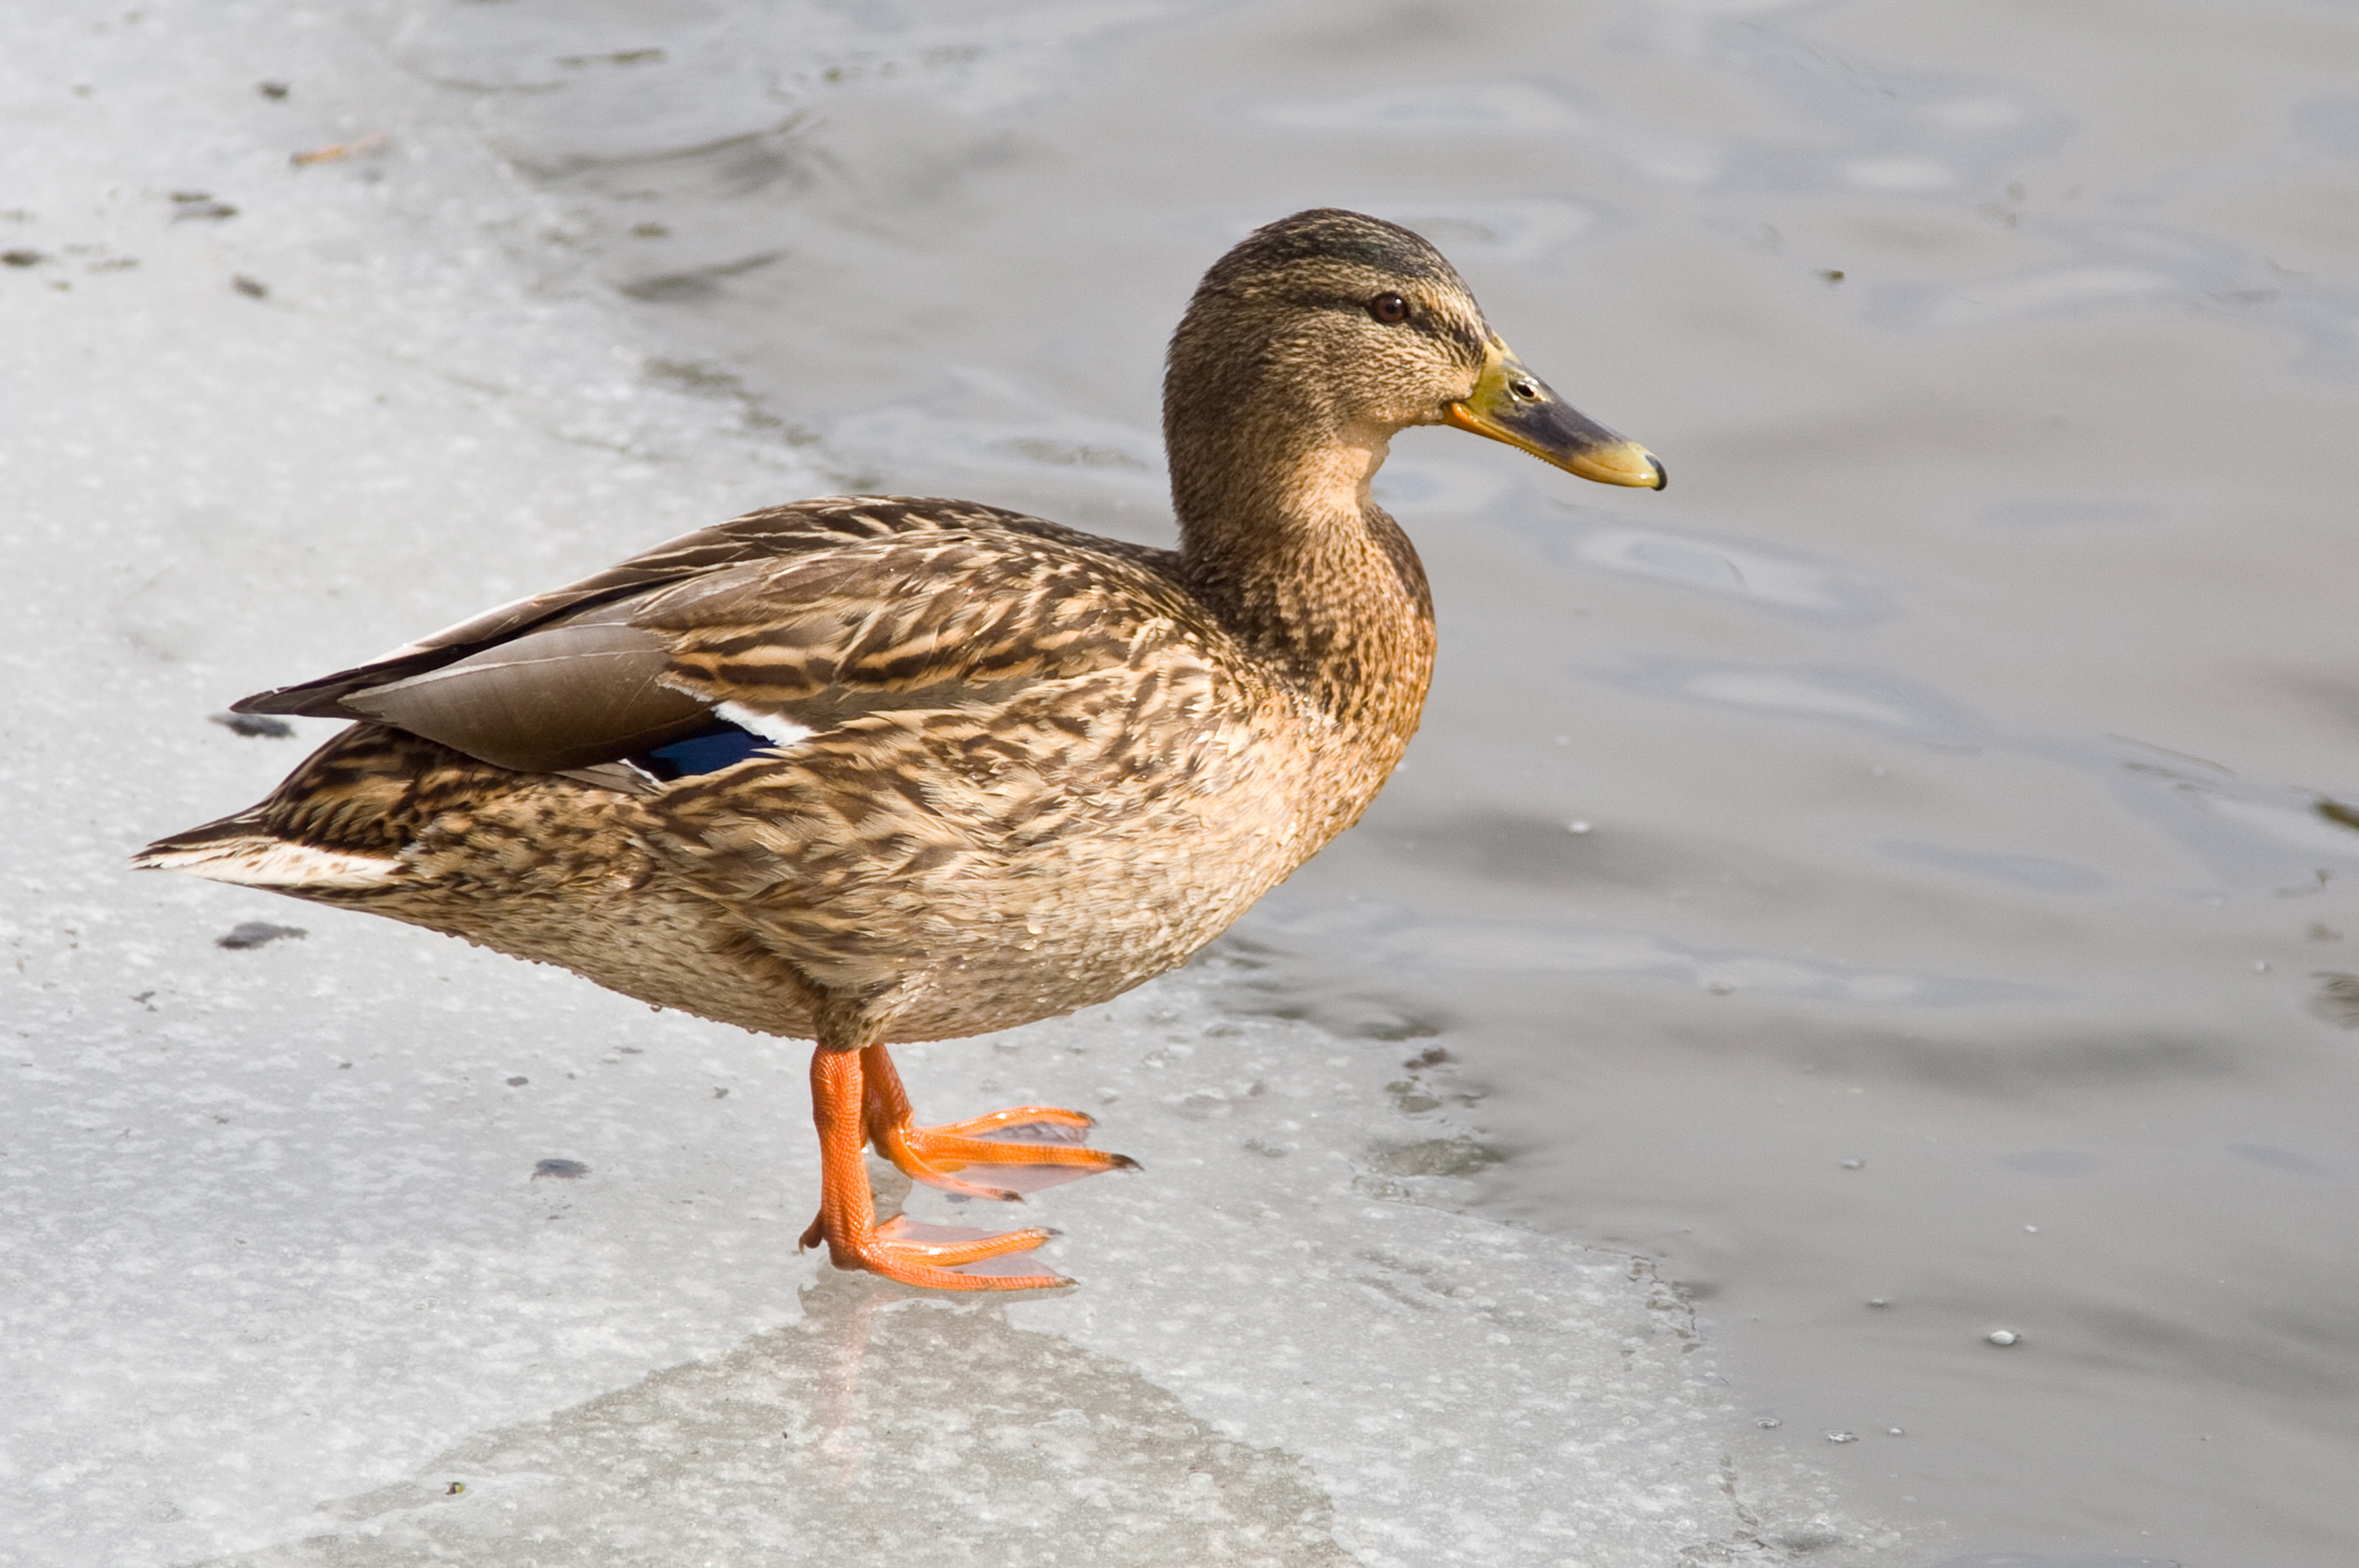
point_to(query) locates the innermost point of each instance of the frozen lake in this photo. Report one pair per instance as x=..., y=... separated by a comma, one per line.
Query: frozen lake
x=1887, y=889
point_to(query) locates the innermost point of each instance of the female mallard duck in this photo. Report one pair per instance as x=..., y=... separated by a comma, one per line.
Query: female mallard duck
x=874, y=769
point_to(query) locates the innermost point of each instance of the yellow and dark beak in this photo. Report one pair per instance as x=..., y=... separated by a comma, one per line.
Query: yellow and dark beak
x=1512, y=405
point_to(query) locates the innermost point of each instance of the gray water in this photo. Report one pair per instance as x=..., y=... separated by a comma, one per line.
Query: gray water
x=1880, y=880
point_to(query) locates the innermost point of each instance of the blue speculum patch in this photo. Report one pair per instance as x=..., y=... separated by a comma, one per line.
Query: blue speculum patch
x=724, y=745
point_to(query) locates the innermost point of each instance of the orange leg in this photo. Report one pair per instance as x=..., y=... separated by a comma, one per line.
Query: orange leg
x=929, y=1154
x=847, y=1209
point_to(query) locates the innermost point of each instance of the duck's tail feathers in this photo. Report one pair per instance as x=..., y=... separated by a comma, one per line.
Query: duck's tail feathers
x=243, y=850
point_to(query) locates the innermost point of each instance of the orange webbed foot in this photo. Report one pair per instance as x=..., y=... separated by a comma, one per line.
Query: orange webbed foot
x=931, y=1255
x=857, y=1099
x=1005, y=1169
x=950, y=1156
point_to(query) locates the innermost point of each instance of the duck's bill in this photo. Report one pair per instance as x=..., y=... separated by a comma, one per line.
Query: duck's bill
x=1512, y=405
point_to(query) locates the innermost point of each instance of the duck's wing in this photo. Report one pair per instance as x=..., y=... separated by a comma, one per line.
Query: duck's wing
x=801, y=528
x=783, y=623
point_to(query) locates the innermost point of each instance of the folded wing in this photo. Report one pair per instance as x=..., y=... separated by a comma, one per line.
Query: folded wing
x=795, y=620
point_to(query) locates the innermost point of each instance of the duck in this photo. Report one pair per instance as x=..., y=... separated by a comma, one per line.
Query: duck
x=873, y=770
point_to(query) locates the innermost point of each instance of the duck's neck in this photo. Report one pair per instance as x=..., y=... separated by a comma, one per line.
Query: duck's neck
x=1280, y=537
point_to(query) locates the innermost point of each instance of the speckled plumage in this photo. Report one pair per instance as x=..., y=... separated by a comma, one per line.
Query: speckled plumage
x=1024, y=768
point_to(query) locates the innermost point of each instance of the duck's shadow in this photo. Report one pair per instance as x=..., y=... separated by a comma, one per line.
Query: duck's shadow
x=887, y=1425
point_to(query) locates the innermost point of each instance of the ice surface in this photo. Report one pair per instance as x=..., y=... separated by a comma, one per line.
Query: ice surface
x=1280, y=1352
x=369, y=1247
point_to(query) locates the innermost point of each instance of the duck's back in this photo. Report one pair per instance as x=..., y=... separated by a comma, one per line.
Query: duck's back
x=994, y=767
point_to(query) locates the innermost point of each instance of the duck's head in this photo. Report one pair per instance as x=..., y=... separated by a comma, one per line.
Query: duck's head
x=1330, y=331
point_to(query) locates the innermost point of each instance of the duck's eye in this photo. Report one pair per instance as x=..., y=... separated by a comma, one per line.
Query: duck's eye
x=1389, y=309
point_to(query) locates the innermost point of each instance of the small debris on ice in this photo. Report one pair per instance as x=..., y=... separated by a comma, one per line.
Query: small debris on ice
x=187, y=204
x=338, y=151
x=256, y=933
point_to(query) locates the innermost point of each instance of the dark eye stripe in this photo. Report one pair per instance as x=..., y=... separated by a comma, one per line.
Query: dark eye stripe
x=1448, y=330
x=1443, y=329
